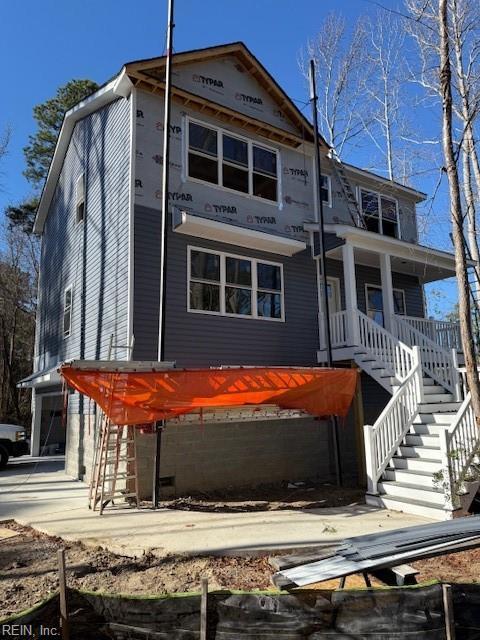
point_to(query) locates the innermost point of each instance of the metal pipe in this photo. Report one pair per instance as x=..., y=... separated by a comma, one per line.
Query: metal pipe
x=323, y=266
x=163, y=235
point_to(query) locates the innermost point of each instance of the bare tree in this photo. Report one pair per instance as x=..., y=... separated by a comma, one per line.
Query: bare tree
x=466, y=45
x=445, y=83
x=17, y=324
x=339, y=57
x=382, y=87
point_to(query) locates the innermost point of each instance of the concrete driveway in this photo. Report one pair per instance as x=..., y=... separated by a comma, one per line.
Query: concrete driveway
x=40, y=494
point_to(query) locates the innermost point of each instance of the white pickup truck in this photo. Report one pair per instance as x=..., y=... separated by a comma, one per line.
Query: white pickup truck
x=13, y=442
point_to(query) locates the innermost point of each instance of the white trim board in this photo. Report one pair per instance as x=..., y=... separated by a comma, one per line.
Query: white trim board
x=222, y=284
x=208, y=229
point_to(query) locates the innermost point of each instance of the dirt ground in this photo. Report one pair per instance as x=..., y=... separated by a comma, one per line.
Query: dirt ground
x=28, y=570
x=269, y=497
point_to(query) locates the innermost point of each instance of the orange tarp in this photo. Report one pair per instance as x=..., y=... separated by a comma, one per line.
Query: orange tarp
x=142, y=397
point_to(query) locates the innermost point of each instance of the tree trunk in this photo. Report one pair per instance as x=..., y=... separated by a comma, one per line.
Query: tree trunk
x=456, y=210
x=468, y=148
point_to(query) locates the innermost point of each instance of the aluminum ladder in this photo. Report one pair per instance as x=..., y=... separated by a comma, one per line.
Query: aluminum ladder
x=115, y=472
x=348, y=193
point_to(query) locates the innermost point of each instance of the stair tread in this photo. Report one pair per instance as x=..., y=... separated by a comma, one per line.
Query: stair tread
x=421, y=460
x=408, y=485
x=419, y=503
x=426, y=474
x=420, y=446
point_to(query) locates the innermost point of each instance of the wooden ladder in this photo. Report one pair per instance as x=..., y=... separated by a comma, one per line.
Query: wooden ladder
x=116, y=445
x=352, y=204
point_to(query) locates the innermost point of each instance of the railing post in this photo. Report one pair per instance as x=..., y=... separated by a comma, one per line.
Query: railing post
x=353, y=328
x=446, y=471
x=456, y=377
x=370, y=457
x=417, y=362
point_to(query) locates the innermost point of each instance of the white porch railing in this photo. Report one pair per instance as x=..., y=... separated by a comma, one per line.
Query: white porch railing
x=338, y=329
x=437, y=362
x=444, y=334
x=384, y=346
x=460, y=446
x=384, y=438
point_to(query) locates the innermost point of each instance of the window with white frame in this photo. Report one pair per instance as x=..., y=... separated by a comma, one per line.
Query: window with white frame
x=326, y=190
x=67, y=312
x=80, y=198
x=232, y=162
x=231, y=285
x=380, y=213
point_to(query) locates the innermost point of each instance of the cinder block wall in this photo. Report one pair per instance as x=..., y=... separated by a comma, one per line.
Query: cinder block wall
x=216, y=456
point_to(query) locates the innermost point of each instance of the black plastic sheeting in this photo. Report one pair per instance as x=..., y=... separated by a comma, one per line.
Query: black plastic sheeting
x=382, y=614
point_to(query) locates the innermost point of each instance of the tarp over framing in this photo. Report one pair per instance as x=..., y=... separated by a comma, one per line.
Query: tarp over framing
x=132, y=396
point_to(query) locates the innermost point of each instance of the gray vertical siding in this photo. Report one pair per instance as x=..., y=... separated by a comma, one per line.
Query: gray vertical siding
x=93, y=255
x=194, y=339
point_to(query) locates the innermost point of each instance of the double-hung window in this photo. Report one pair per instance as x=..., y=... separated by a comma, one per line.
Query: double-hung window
x=231, y=285
x=232, y=162
x=67, y=311
x=380, y=213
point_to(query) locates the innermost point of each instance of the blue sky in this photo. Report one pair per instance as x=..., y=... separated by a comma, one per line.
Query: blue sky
x=45, y=44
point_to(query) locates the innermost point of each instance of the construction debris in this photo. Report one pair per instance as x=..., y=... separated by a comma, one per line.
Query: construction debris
x=366, y=554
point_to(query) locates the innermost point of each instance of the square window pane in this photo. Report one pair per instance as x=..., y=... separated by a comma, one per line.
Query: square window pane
x=205, y=266
x=80, y=211
x=269, y=305
x=389, y=209
x=238, y=301
x=390, y=229
x=372, y=224
x=264, y=187
x=399, y=303
x=235, y=178
x=202, y=139
x=264, y=161
x=369, y=203
x=235, y=150
x=375, y=299
x=238, y=271
x=67, y=318
x=202, y=168
x=325, y=190
x=269, y=276
x=204, y=297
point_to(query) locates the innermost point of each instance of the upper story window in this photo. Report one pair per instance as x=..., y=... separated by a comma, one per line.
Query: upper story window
x=230, y=285
x=380, y=213
x=80, y=198
x=232, y=162
x=326, y=190
x=67, y=311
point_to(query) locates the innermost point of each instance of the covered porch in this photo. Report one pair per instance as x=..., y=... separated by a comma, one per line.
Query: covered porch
x=377, y=278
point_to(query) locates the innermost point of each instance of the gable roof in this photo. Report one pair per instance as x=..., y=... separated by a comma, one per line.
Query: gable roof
x=133, y=73
x=153, y=69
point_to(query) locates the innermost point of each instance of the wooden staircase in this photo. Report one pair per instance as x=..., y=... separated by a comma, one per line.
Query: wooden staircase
x=421, y=447
x=411, y=480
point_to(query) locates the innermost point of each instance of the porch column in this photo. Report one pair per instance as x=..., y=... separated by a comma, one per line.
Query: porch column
x=387, y=290
x=350, y=286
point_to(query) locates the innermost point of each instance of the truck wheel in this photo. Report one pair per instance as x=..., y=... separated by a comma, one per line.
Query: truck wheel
x=3, y=457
